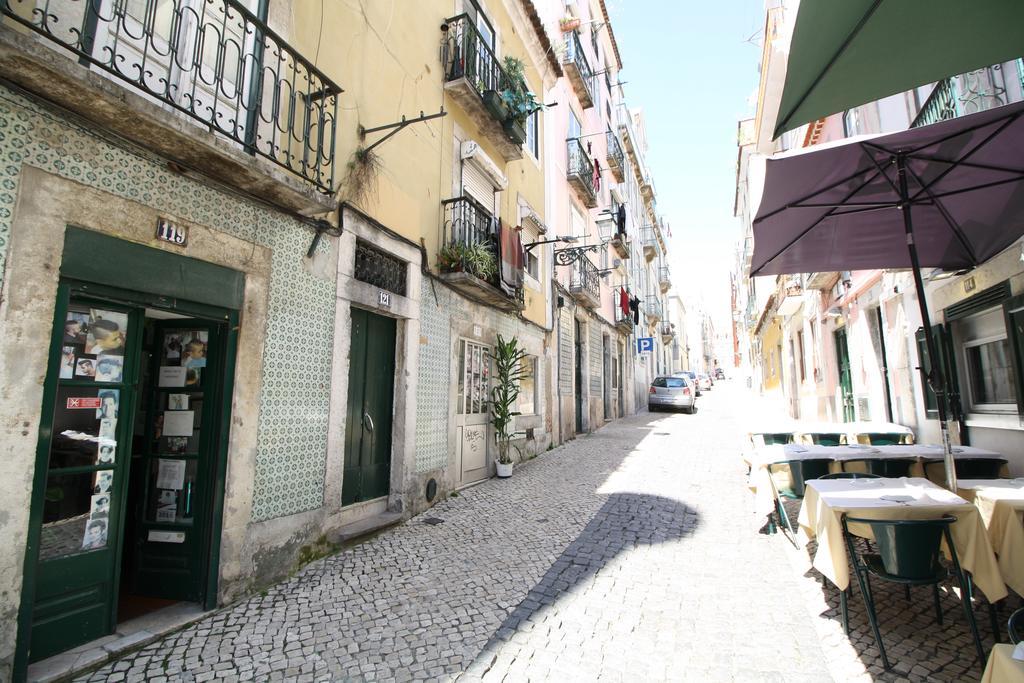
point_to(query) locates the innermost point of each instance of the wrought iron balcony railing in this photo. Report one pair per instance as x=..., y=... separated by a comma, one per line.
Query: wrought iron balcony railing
x=467, y=55
x=623, y=319
x=580, y=171
x=578, y=69
x=968, y=93
x=213, y=60
x=586, y=279
x=652, y=308
x=469, y=244
x=649, y=241
x=616, y=157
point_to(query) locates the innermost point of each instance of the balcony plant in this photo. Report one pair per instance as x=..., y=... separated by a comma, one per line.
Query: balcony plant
x=521, y=103
x=569, y=24
x=475, y=259
x=508, y=357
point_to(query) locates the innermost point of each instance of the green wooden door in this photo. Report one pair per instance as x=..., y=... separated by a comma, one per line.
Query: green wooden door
x=82, y=467
x=845, y=379
x=371, y=381
x=173, y=470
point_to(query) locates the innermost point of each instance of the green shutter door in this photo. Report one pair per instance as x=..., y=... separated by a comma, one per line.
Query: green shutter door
x=82, y=461
x=371, y=381
x=845, y=379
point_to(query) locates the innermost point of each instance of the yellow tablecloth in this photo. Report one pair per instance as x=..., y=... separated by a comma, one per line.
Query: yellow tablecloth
x=825, y=501
x=1002, y=667
x=1000, y=503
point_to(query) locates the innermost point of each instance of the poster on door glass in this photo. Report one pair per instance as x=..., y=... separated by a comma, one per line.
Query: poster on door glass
x=81, y=438
x=106, y=334
x=186, y=349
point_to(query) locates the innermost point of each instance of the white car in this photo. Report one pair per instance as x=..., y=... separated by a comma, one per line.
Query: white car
x=692, y=377
x=704, y=382
x=672, y=392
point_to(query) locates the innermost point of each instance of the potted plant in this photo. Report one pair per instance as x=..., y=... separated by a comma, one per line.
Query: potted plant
x=479, y=260
x=508, y=357
x=451, y=258
x=518, y=99
x=495, y=104
x=568, y=24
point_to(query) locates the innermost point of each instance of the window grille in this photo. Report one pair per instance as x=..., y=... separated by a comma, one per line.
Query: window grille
x=380, y=268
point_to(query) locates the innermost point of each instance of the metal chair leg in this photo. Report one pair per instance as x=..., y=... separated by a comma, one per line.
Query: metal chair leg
x=845, y=608
x=864, y=583
x=785, y=517
x=993, y=618
x=966, y=587
x=938, y=606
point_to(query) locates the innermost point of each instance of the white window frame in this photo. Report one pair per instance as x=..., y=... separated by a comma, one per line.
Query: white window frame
x=973, y=406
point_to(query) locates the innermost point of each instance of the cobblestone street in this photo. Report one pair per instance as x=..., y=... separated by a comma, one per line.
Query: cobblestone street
x=628, y=554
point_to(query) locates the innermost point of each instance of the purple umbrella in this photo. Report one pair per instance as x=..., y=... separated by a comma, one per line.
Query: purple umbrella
x=948, y=195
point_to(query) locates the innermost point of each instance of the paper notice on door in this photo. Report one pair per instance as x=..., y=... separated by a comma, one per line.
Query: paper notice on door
x=172, y=376
x=170, y=474
x=166, y=536
x=178, y=422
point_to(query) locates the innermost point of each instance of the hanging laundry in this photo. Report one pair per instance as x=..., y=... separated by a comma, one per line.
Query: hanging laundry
x=597, y=176
x=624, y=302
x=513, y=258
x=620, y=220
x=634, y=305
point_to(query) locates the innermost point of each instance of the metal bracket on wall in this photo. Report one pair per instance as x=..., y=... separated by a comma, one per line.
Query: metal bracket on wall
x=396, y=127
x=570, y=255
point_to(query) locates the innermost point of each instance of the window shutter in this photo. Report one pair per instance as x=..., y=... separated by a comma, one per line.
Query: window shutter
x=477, y=185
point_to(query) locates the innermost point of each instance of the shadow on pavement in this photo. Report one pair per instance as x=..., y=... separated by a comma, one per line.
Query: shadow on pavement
x=625, y=524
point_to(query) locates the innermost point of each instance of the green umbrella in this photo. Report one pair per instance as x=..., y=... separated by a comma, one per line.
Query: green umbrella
x=848, y=52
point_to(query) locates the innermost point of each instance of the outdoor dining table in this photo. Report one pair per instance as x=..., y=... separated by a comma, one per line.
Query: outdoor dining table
x=1002, y=667
x=1000, y=503
x=765, y=485
x=827, y=500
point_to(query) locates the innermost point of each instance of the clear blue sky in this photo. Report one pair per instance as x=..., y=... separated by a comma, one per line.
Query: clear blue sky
x=689, y=65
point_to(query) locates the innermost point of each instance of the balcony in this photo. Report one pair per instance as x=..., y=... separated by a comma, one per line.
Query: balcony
x=629, y=141
x=623, y=320
x=652, y=308
x=664, y=279
x=141, y=75
x=469, y=259
x=791, y=296
x=616, y=159
x=968, y=93
x=580, y=172
x=822, y=280
x=474, y=78
x=578, y=70
x=585, y=285
x=649, y=240
x=668, y=332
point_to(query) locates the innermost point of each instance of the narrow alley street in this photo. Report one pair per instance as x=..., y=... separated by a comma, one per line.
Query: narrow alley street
x=628, y=554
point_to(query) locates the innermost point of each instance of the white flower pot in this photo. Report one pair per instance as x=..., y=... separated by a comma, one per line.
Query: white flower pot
x=504, y=471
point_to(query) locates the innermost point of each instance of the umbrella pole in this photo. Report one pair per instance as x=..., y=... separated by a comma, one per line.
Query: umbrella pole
x=935, y=378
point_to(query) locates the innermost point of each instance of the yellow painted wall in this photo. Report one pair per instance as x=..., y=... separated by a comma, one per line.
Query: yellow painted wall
x=386, y=57
x=771, y=363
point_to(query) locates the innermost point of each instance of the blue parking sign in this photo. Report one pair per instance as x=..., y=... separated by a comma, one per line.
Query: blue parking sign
x=645, y=344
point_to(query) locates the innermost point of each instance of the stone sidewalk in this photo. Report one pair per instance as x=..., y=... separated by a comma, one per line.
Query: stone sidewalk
x=627, y=554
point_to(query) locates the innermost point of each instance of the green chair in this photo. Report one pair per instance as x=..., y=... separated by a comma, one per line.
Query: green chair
x=827, y=439
x=777, y=438
x=884, y=467
x=800, y=471
x=885, y=439
x=1015, y=626
x=907, y=554
x=850, y=475
x=973, y=468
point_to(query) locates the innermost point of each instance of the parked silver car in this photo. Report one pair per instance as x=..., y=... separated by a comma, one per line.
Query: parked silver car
x=672, y=392
x=692, y=376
